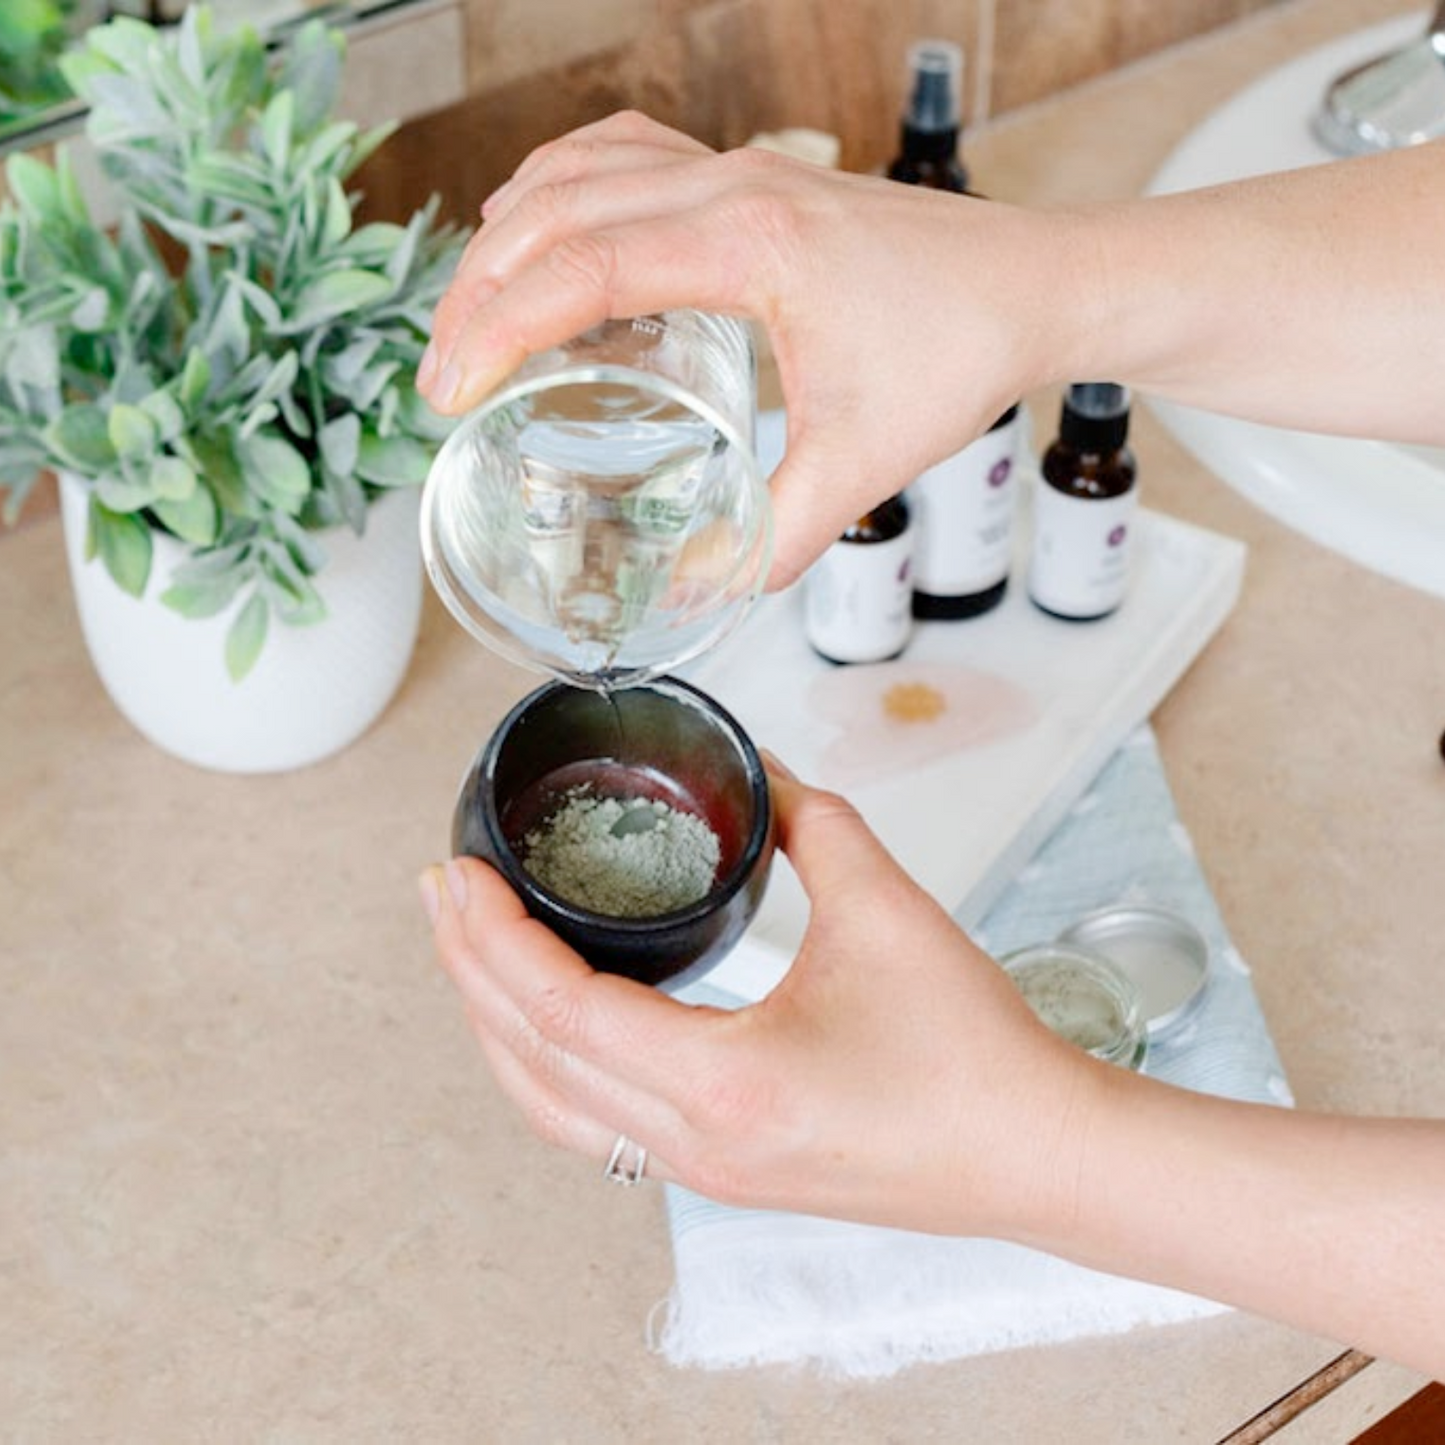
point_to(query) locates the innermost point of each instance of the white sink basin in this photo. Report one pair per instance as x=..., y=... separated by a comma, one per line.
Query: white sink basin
x=1381, y=504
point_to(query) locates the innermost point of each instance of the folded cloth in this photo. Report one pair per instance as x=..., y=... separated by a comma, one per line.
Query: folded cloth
x=759, y=1287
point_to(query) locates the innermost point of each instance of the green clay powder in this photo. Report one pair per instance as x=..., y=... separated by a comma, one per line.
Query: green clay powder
x=623, y=857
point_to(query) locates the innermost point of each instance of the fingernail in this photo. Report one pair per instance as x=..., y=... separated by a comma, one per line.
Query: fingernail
x=431, y=898
x=427, y=369
x=456, y=883
x=489, y=206
x=448, y=384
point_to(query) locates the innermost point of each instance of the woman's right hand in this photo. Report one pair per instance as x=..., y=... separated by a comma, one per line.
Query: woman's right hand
x=900, y=319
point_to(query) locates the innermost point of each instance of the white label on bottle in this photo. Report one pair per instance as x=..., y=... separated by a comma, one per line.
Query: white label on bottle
x=857, y=600
x=963, y=513
x=1080, y=565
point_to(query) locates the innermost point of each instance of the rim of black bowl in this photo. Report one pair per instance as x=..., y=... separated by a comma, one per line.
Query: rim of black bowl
x=716, y=896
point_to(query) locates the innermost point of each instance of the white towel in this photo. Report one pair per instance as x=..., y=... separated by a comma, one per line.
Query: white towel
x=754, y=1287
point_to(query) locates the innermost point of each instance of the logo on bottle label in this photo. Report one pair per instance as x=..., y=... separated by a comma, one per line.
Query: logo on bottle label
x=1080, y=562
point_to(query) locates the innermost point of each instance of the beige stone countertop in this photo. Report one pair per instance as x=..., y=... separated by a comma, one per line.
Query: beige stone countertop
x=256, y=1183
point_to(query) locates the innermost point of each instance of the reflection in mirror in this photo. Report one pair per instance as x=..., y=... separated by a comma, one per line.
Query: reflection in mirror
x=33, y=36
x=35, y=103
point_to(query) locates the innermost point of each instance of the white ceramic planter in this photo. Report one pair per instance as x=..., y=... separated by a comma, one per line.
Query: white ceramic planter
x=313, y=690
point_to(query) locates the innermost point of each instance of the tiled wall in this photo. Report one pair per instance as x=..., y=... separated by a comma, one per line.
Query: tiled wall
x=722, y=69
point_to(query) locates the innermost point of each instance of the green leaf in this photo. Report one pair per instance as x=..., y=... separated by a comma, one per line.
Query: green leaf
x=132, y=432
x=326, y=146
x=392, y=461
x=92, y=311
x=342, y=501
x=276, y=129
x=373, y=244
x=123, y=542
x=227, y=235
x=80, y=440
x=123, y=44
x=227, y=335
x=312, y=70
x=347, y=364
x=274, y=471
x=195, y=378
x=257, y=417
x=72, y=198
x=215, y=564
x=193, y=518
x=309, y=554
x=280, y=379
x=163, y=409
x=289, y=589
x=191, y=48
x=35, y=186
x=298, y=422
x=34, y=361
x=246, y=636
x=261, y=301
x=340, y=443
x=368, y=387
x=368, y=143
x=127, y=490
x=172, y=479
x=336, y=294
x=224, y=476
x=239, y=178
x=203, y=598
x=337, y=224
x=123, y=109
x=399, y=263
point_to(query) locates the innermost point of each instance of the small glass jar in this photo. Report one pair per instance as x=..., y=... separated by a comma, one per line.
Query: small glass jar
x=1083, y=998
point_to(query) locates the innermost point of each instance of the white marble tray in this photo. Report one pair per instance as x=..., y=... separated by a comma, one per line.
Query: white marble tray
x=1033, y=707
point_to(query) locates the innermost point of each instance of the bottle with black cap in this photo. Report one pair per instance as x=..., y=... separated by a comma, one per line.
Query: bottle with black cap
x=928, y=148
x=963, y=508
x=1084, y=506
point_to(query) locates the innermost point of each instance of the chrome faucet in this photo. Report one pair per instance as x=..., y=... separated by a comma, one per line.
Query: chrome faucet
x=1394, y=100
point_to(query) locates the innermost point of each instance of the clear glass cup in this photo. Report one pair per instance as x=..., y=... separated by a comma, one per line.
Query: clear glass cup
x=602, y=515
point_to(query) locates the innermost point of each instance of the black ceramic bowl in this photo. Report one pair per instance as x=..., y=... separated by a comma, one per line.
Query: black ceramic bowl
x=703, y=762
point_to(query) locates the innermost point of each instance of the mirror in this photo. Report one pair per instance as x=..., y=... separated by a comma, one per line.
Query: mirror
x=35, y=104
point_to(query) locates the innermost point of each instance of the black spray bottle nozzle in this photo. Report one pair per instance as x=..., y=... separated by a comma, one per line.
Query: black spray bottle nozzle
x=935, y=83
x=1095, y=416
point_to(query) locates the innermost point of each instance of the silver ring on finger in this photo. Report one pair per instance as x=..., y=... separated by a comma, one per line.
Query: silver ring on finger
x=626, y=1164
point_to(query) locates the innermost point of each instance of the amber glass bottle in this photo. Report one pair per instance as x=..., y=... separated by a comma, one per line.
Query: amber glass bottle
x=928, y=148
x=964, y=507
x=856, y=596
x=1084, y=506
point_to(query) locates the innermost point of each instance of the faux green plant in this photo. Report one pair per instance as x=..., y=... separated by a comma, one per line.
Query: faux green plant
x=234, y=361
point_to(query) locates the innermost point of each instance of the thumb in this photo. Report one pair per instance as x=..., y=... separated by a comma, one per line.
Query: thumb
x=808, y=516
x=835, y=854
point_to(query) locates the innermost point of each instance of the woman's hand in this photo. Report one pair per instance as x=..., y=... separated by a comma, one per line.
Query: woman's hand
x=903, y=324
x=895, y=1075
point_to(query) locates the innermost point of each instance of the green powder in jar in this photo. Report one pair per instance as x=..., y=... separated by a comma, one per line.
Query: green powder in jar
x=623, y=857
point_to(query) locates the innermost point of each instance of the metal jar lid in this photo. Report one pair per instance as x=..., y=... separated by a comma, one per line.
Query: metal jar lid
x=1165, y=955
x=1082, y=997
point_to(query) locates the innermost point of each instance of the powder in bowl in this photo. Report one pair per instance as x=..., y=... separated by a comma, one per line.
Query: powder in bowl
x=622, y=857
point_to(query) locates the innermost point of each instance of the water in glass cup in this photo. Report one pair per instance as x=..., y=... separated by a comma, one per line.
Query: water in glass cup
x=603, y=515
